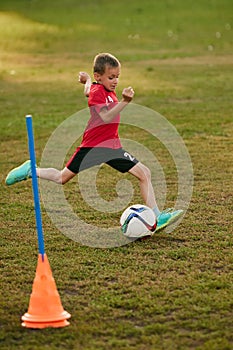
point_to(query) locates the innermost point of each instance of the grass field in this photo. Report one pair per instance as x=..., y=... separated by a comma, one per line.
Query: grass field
x=173, y=291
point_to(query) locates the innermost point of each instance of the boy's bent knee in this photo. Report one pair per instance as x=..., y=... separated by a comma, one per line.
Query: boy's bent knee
x=63, y=180
x=146, y=172
x=141, y=171
x=66, y=175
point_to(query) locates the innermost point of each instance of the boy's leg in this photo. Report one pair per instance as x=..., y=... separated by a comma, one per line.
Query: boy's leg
x=23, y=172
x=144, y=175
x=165, y=217
x=52, y=174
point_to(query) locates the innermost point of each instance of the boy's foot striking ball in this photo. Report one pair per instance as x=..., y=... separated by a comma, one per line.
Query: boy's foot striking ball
x=138, y=221
x=167, y=217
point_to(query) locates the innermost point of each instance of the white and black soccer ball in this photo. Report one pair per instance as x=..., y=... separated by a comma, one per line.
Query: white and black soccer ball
x=138, y=221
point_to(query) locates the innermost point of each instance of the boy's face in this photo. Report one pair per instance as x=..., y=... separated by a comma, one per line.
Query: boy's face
x=109, y=79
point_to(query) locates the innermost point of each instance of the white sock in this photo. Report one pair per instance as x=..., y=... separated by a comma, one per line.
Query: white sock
x=156, y=211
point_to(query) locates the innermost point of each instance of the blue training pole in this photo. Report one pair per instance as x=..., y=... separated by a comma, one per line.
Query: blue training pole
x=31, y=148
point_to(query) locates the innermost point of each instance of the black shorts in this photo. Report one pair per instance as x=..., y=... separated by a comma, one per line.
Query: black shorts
x=87, y=157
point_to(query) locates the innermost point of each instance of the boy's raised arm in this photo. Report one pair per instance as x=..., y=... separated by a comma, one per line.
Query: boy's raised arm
x=109, y=115
x=84, y=78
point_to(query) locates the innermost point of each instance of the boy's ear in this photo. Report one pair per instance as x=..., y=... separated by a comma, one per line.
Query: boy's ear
x=97, y=76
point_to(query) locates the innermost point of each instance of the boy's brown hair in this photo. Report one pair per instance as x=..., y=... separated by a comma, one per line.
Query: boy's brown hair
x=102, y=60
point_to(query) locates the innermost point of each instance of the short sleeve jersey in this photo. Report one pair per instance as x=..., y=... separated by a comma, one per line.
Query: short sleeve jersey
x=99, y=133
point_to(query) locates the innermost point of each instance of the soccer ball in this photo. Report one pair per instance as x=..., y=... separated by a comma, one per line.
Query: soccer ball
x=138, y=221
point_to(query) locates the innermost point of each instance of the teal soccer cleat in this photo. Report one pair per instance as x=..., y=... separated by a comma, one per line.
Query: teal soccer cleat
x=167, y=217
x=23, y=172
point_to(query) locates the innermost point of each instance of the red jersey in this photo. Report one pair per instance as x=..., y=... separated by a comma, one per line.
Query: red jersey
x=99, y=133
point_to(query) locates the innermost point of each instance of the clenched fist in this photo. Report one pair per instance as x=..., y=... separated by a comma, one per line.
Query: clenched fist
x=128, y=94
x=83, y=77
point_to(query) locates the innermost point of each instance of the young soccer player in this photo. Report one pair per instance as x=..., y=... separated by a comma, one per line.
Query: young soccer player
x=100, y=142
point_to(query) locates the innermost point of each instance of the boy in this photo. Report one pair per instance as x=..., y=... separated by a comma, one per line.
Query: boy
x=101, y=143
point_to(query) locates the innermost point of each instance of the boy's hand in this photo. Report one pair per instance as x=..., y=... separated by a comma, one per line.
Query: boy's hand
x=83, y=77
x=128, y=94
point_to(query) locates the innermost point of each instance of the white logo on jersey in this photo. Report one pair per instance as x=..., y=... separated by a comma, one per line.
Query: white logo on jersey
x=110, y=99
x=127, y=155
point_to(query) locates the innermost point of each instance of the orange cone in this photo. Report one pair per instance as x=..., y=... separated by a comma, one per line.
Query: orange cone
x=45, y=308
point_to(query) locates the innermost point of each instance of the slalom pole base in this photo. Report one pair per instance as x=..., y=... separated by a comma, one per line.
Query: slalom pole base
x=45, y=308
x=40, y=325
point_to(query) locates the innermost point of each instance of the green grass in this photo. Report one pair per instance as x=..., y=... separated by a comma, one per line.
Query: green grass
x=172, y=291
